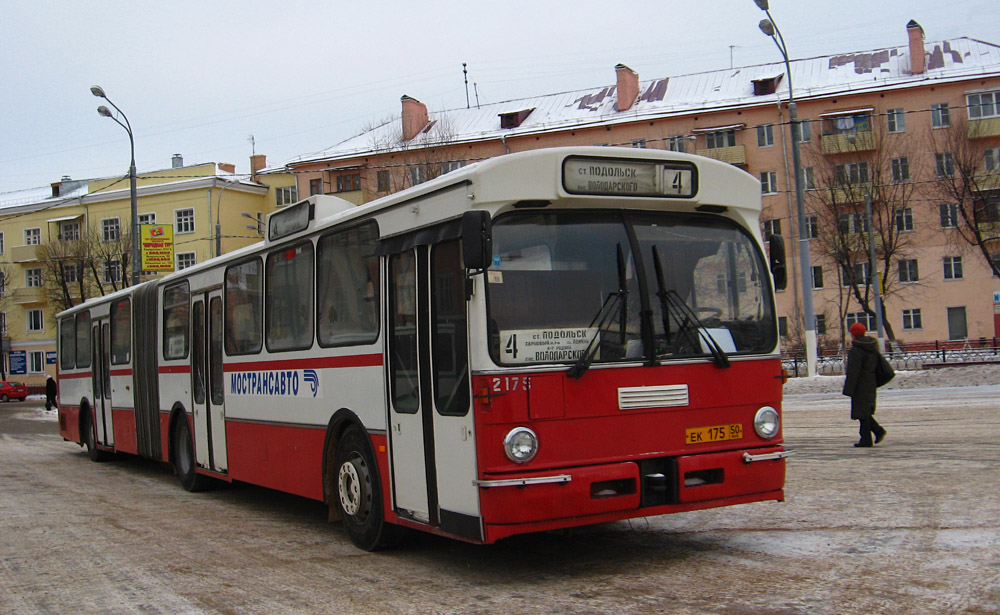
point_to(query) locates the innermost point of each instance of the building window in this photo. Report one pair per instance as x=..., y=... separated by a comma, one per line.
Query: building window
x=184, y=221
x=349, y=183
x=32, y=236
x=69, y=231
x=817, y=276
x=639, y=143
x=720, y=138
x=854, y=222
x=285, y=196
x=71, y=273
x=812, y=227
x=851, y=173
x=944, y=164
x=805, y=131
x=451, y=165
x=904, y=219
x=147, y=219
x=940, y=115
x=36, y=362
x=783, y=326
x=675, y=143
x=315, y=186
x=769, y=182
x=112, y=272
x=383, y=181
x=949, y=215
x=820, y=324
x=863, y=317
x=896, y=120
x=33, y=277
x=900, y=169
x=908, y=271
x=417, y=175
x=3, y=323
x=994, y=259
x=991, y=158
x=808, y=178
x=984, y=104
x=953, y=268
x=854, y=274
x=1, y=243
x=772, y=226
x=110, y=229
x=185, y=260
x=911, y=319
x=765, y=135
x=35, y=320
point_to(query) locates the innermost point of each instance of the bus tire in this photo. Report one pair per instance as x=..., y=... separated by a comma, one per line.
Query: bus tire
x=89, y=432
x=358, y=494
x=183, y=458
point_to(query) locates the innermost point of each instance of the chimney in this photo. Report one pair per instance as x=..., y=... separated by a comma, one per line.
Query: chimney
x=257, y=163
x=628, y=87
x=177, y=161
x=226, y=167
x=414, y=117
x=916, y=34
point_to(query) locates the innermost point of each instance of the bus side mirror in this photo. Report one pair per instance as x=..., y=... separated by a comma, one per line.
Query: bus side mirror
x=477, y=240
x=776, y=252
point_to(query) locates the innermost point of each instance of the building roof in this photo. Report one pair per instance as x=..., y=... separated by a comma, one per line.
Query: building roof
x=823, y=76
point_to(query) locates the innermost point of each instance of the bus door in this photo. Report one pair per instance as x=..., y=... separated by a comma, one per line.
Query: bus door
x=431, y=438
x=206, y=383
x=103, y=418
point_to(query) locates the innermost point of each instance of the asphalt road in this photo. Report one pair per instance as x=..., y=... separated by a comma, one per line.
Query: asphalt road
x=910, y=526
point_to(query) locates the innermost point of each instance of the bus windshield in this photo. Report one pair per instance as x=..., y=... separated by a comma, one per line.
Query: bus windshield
x=625, y=287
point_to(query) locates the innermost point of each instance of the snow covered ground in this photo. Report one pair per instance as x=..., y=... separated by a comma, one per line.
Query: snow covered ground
x=972, y=375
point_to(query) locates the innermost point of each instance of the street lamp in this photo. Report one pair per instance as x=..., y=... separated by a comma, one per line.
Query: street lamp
x=98, y=91
x=768, y=27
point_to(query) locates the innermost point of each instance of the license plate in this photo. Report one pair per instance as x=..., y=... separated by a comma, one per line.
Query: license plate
x=717, y=433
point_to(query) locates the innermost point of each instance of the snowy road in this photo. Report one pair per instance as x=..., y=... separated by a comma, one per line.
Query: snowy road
x=910, y=526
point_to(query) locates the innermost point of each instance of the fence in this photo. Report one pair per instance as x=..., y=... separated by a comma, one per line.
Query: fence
x=917, y=355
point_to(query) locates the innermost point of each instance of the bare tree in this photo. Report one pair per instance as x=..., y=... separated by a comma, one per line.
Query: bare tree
x=78, y=269
x=967, y=177
x=868, y=164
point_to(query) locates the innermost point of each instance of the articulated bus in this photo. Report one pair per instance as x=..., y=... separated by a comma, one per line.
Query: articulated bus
x=541, y=340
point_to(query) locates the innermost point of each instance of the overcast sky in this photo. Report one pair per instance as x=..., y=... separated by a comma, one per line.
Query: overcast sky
x=200, y=77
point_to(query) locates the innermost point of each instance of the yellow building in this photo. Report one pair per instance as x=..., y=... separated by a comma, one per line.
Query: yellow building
x=70, y=242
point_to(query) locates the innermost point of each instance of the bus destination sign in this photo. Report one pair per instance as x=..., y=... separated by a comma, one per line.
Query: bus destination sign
x=608, y=177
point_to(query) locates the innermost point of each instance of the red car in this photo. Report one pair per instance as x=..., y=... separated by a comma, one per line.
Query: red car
x=12, y=390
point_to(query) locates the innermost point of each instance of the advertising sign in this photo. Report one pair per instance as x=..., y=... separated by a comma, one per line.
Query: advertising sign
x=157, y=246
x=18, y=362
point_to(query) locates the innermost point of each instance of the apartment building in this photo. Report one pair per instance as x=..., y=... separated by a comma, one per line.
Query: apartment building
x=69, y=241
x=913, y=129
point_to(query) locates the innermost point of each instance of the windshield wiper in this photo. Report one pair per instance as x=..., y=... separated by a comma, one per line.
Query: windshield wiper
x=670, y=298
x=613, y=305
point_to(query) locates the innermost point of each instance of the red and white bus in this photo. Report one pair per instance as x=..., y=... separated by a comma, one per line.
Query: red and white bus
x=541, y=340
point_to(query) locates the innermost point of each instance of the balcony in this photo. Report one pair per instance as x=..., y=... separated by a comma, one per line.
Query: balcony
x=734, y=154
x=984, y=127
x=849, y=193
x=25, y=254
x=26, y=295
x=848, y=143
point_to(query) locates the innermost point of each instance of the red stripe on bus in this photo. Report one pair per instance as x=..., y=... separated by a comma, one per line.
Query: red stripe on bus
x=361, y=360
x=65, y=376
x=174, y=369
x=122, y=372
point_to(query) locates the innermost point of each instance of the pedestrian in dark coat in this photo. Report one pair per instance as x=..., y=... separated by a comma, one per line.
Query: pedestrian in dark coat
x=860, y=384
x=50, y=392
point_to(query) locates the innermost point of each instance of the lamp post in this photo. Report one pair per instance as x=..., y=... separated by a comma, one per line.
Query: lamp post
x=768, y=27
x=98, y=91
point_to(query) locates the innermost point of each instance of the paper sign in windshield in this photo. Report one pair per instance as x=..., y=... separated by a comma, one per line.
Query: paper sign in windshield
x=545, y=345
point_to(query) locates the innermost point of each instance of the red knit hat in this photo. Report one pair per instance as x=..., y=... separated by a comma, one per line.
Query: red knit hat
x=858, y=329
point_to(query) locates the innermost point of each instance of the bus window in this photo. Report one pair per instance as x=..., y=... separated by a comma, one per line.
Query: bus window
x=175, y=321
x=404, y=381
x=121, y=332
x=348, y=281
x=289, y=298
x=451, y=356
x=67, y=344
x=83, y=339
x=244, y=308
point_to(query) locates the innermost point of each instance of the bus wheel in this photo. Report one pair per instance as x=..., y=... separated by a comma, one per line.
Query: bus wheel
x=359, y=494
x=90, y=438
x=184, y=464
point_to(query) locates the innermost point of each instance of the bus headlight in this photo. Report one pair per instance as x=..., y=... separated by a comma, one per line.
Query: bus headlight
x=766, y=422
x=521, y=445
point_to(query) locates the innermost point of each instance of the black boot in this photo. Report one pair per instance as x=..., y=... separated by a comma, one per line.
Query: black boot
x=879, y=431
x=866, y=433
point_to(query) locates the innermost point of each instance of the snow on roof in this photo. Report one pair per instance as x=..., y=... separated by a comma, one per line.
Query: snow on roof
x=729, y=88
